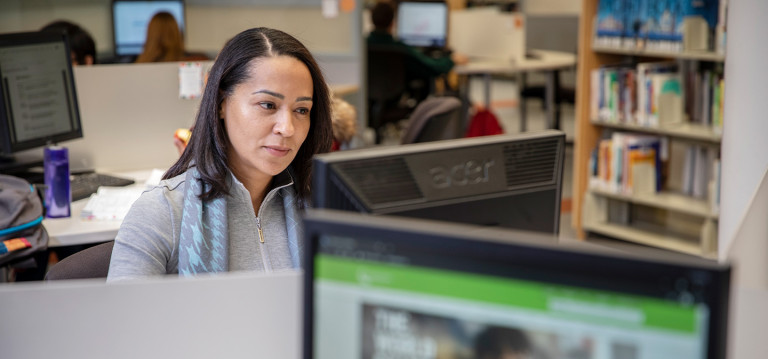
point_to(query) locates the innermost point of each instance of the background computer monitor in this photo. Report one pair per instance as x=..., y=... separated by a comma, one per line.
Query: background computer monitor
x=512, y=181
x=38, y=102
x=130, y=19
x=387, y=287
x=422, y=23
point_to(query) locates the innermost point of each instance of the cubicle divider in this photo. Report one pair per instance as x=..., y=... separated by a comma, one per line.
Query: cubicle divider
x=129, y=114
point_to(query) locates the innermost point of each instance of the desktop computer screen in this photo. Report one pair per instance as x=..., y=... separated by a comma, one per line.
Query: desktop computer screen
x=386, y=287
x=38, y=102
x=422, y=24
x=131, y=17
x=511, y=181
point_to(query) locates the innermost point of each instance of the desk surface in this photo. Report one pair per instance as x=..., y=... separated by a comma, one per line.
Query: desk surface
x=546, y=60
x=75, y=230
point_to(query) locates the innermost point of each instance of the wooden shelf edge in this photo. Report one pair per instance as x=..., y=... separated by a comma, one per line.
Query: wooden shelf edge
x=690, y=131
x=665, y=200
x=686, y=55
x=648, y=238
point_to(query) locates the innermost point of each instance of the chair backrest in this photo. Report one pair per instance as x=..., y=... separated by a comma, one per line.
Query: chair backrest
x=386, y=72
x=386, y=84
x=91, y=262
x=434, y=119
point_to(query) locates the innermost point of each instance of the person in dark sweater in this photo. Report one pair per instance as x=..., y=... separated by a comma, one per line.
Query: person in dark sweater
x=421, y=67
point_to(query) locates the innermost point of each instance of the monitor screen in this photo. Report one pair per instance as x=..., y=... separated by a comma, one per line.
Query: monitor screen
x=422, y=24
x=130, y=19
x=386, y=287
x=511, y=181
x=38, y=102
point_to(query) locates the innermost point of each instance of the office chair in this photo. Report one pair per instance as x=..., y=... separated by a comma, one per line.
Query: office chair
x=434, y=119
x=91, y=262
x=386, y=85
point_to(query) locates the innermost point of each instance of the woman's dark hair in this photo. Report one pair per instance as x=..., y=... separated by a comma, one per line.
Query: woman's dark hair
x=207, y=149
x=80, y=41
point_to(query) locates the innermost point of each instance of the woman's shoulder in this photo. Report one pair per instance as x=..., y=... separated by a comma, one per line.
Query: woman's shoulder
x=168, y=190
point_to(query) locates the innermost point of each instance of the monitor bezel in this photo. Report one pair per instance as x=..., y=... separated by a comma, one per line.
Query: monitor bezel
x=503, y=245
x=447, y=20
x=7, y=146
x=183, y=25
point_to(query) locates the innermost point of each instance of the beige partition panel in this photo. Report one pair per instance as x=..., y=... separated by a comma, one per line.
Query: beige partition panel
x=129, y=114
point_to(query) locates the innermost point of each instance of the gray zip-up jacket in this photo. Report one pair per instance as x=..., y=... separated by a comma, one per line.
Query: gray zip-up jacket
x=147, y=243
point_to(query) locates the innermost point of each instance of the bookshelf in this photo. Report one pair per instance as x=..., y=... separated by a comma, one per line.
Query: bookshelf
x=667, y=219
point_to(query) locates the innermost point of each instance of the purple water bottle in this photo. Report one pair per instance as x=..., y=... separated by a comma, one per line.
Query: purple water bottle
x=56, y=171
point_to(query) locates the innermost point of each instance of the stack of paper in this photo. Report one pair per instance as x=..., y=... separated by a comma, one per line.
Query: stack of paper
x=111, y=203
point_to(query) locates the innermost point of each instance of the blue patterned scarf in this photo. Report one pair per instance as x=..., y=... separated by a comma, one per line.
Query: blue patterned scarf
x=203, y=242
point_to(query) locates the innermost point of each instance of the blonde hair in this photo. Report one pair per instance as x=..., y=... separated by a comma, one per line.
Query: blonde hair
x=164, y=42
x=343, y=120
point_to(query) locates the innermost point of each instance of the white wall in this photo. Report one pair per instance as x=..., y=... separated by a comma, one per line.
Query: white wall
x=744, y=146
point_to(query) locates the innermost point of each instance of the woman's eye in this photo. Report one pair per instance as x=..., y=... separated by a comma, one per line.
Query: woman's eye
x=302, y=111
x=267, y=105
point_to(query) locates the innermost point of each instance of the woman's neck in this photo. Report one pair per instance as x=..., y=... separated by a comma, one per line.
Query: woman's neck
x=257, y=186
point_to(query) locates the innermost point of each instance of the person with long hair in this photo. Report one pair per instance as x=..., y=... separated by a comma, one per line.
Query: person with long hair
x=164, y=41
x=233, y=199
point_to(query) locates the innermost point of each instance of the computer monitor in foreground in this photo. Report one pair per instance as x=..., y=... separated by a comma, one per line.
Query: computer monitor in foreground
x=386, y=287
x=130, y=19
x=423, y=23
x=38, y=102
x=512, y=181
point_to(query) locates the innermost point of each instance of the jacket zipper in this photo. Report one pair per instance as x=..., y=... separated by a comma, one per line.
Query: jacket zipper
x=258, y=226
x=263, y=250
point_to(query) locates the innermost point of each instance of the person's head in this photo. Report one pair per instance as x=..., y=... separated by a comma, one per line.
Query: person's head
x=164, y=41
x=265, y=107
x=344, y=121
x=502, y=343
x=80, y=42
x=383, y=15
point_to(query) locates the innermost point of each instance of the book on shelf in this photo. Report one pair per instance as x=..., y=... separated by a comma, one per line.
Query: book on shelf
x=714, y=188
x=721, y=27
x=658, y=24
x=609, y=23
x=699, y=171
x=628, y=163
x=658, y=94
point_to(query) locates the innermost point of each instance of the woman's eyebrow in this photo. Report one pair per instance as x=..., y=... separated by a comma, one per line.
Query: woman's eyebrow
x=275, y=94
x=304, y=98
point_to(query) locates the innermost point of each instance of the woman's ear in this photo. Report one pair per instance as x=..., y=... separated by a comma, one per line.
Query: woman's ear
x=221, y=108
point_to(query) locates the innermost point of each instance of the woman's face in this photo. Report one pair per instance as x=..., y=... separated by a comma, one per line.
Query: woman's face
x=267, y=116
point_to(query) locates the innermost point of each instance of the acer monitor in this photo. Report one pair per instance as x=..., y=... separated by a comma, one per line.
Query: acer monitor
x=511, y=181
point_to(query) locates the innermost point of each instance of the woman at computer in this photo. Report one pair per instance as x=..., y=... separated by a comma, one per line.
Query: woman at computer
x=164, y=41
x=233, y=200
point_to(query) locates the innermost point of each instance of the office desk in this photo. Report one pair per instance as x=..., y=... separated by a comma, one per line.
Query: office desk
x=545, y=60
x=75, y=230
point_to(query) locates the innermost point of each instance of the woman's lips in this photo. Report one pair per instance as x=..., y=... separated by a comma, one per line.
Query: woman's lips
x=277, y=150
